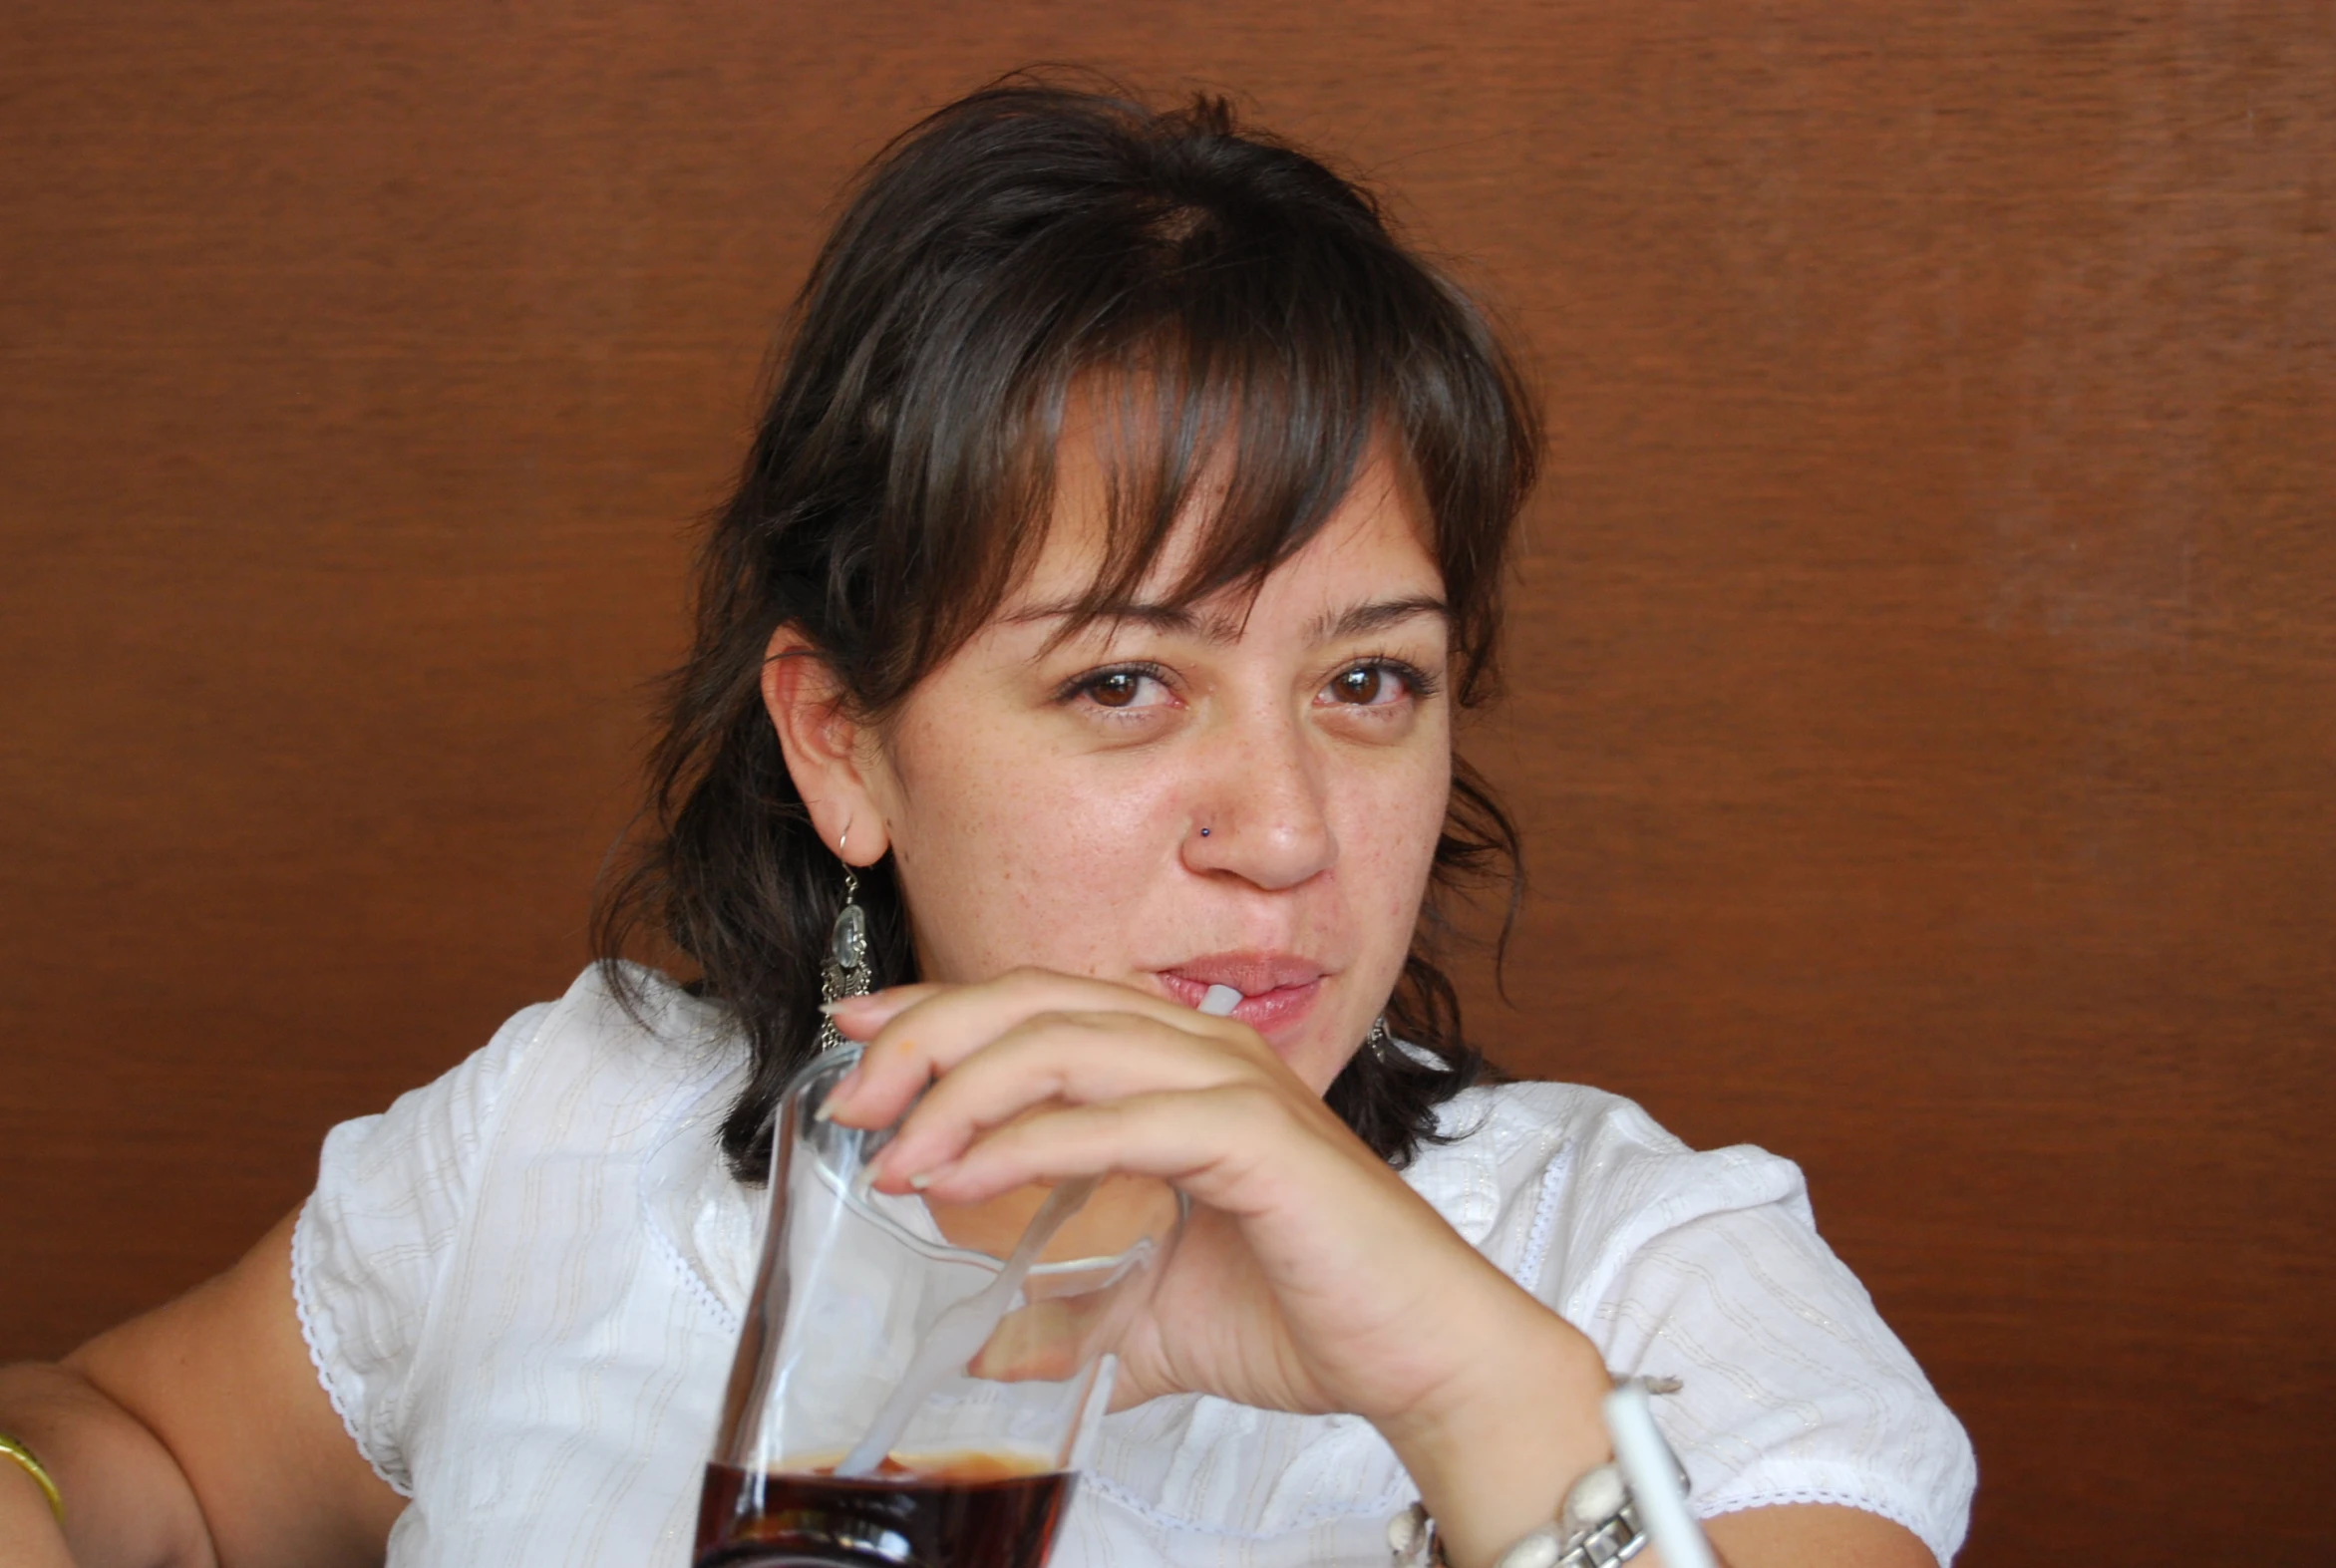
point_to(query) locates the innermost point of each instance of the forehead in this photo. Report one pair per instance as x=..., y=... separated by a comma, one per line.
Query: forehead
x=1376, y=542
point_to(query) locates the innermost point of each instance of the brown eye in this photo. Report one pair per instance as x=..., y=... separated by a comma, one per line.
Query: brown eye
x=1116, y=690
x=1364, y=684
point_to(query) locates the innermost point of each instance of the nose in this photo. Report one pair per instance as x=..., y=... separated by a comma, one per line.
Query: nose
x=1263, y=795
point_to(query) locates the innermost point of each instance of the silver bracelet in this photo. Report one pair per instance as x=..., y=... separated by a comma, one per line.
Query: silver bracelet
x=1597, y=1526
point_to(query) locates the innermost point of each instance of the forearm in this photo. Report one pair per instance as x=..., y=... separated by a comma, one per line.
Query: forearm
x=1492, y=1460
x=126, y=1503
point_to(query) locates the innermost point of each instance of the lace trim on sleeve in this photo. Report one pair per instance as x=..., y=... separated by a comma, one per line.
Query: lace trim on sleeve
x=1544, y=1225
x=315, y=1337
x=1897, y=1510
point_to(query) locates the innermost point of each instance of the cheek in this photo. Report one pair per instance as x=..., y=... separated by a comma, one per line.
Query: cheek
x=1389, y=841
x=1008, y=859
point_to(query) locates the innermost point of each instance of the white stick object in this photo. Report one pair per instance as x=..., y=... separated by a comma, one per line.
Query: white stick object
x=960, y=1331
x=1654, y=1482
x=1220, y=1001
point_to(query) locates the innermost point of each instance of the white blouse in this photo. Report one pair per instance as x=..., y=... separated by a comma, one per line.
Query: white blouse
x=521, y=1285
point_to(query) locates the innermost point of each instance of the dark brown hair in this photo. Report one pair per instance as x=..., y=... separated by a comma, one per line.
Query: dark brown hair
x=1250, y=308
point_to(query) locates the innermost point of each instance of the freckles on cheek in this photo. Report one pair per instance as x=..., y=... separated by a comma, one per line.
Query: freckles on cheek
x=1096, y=858
x=958, y=822
x=1400, y=858
x=1095, y=838
x=1021, y=859
x=1398, y=821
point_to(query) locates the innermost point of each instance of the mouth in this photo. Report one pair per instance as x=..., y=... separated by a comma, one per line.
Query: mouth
x=1279, y=990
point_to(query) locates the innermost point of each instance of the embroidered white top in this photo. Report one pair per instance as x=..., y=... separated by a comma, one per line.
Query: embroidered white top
x=521, y=1285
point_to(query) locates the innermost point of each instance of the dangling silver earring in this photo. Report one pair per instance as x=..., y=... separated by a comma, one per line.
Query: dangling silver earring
x=845, y=971
x=1379, y=1042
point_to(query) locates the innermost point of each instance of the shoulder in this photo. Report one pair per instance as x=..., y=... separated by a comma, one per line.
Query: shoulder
x=520, y=1165
x=1706, y=1266
x=618, y=1032
x=631, y=1028
x=566, y=1098
x=1542, y=1175
x=601, y=1069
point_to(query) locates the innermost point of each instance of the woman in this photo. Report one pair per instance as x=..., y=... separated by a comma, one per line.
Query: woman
x=1125, y=530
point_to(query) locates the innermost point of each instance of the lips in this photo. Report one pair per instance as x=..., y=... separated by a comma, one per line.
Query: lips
x=1277, y=990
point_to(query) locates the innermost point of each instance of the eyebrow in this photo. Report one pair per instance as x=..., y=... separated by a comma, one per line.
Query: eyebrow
x=1359, y=620
x=1376, y=616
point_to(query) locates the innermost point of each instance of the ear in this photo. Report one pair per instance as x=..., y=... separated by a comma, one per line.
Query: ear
x=825, y=747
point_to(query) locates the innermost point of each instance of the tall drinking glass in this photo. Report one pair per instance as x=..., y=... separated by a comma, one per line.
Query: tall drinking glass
x=916, y=1383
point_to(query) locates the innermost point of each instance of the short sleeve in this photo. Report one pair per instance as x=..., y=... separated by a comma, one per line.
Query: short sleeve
x=1708, y=1267
x=374, y=1239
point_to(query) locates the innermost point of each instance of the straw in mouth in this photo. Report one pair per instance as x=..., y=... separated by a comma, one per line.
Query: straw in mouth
x=1220, y=1002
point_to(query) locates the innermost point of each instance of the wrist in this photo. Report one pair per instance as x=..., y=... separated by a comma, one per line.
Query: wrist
x=1495, y=1451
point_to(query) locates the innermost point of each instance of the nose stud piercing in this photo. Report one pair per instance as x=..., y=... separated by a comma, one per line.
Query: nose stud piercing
x=1204, y=833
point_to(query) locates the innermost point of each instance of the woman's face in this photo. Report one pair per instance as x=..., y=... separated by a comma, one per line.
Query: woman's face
x=1246, y=794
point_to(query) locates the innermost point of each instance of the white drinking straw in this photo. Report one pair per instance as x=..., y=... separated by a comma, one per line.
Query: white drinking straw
x=1654, y=1482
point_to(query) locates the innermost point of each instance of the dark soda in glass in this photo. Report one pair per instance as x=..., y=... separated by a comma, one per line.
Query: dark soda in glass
x=969, y=1510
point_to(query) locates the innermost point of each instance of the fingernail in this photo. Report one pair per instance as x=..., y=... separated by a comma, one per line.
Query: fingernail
x=925, y=1178
x=843, y=1090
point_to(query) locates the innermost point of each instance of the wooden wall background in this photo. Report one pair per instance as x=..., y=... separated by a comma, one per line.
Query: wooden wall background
x=1925, y=675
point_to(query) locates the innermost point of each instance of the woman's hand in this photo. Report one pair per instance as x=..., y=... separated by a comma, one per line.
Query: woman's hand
x=1311, y=1277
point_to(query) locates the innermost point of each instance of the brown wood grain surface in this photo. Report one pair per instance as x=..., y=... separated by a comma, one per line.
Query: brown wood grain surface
x=1924, y=677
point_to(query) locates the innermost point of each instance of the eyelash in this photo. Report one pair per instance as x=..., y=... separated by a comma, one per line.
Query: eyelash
x=1422, y=684
x=1087, y=681
x=1419, y=680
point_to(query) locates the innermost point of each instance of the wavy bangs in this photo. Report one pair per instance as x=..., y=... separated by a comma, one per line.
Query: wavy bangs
x=1246, y=352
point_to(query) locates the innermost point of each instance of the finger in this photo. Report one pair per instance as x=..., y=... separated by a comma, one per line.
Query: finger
x=1316, y=1211
x=856, y=1017
x=893, y=1069
x=1211, y=1142
x=949, y=1023
x=860, y=1017
x=1073, y=1057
